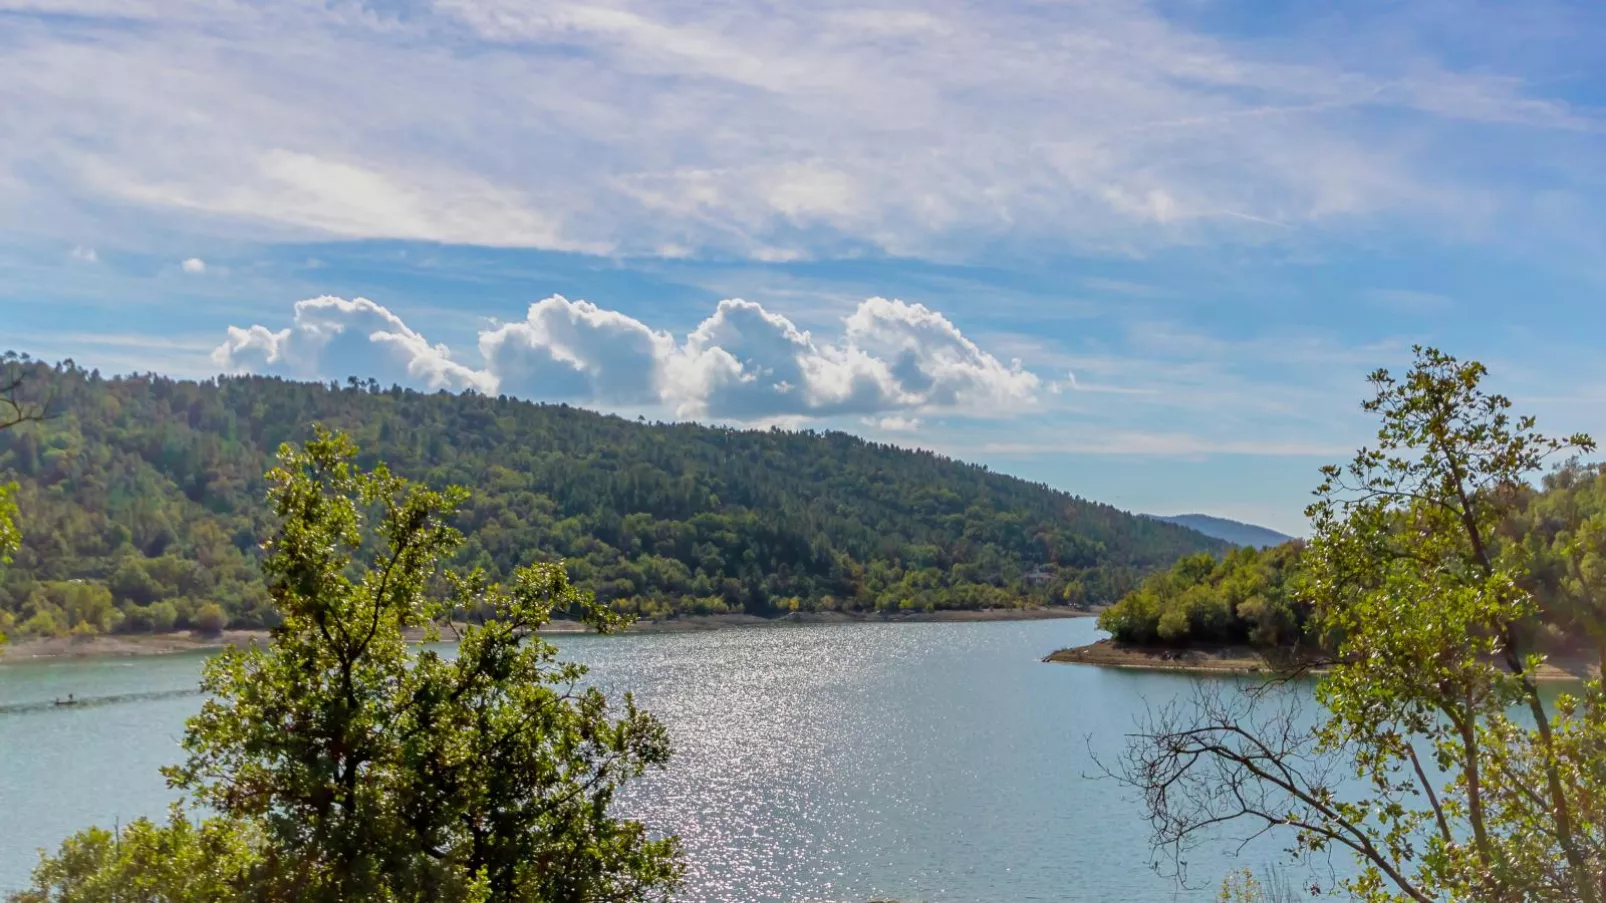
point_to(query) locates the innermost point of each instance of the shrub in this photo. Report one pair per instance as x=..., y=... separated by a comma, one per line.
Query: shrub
x=210, y=619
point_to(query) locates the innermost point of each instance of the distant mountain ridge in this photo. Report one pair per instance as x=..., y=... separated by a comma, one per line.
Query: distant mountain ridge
x=1235, y=532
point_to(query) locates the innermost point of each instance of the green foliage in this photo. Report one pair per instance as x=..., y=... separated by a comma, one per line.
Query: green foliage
x=1433, y=619
x=1463, y=783
x=1557, y=529
x=344, y=765
x=10, y=540
x=17, y=407
x=158, y=617
x=10, y=536
x=1560, y=534
x=1241, y=887
x=146, y=862
x=59, y=607
x=1244, y=597
x=151, y=487
x=209, y=619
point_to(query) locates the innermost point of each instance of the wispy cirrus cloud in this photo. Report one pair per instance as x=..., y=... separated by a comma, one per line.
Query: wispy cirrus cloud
x=771, y=133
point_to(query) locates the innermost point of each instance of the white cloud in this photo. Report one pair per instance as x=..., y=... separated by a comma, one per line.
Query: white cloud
x=743, y=363
x=193, y=265
x=893, y=423
x=343, y=199
x=746, y=363
x=333, y=338
x=87, y=255
x=930, y=358
x=575, y=350
x=753, y=130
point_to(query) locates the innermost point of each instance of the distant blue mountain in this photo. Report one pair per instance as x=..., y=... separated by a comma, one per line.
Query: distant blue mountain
x=1228, y=530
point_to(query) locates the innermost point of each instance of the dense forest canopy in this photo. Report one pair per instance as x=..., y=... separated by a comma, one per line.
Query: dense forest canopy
x=1252, y=597
x=140, y=505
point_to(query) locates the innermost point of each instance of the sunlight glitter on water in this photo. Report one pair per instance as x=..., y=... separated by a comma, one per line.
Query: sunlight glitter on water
x=849, y=762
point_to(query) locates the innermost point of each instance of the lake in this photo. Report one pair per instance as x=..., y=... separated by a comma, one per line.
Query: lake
x=841, y=762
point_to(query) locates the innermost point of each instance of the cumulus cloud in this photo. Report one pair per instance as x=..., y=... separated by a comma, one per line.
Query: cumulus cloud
x=87, y=255
x=566, y=349
x=332, y=337
x=930, y=358
x=193, y=265
x=746, y=363
x=892, y=361
x=893, y=423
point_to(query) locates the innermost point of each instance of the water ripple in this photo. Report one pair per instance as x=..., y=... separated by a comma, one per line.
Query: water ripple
x=813, y=763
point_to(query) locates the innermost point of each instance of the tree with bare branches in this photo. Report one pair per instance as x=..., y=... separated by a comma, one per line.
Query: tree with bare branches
x=16, y=408
x=1431, y=755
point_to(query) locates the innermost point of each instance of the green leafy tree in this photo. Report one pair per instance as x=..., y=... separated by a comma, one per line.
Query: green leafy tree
x=1436, y=761
x=1244, y=597
x=210, y=619
x=147, y=862
x=358, y=768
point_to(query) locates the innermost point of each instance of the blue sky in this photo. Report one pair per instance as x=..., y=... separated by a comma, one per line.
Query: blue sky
x=1142, y=251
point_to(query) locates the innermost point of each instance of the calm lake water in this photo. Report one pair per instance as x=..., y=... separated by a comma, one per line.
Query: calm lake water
x=921, y=762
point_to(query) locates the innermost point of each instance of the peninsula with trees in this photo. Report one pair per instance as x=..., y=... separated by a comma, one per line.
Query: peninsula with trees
x=1255, y=609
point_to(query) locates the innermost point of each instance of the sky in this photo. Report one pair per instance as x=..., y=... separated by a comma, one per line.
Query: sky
x=1145, y=252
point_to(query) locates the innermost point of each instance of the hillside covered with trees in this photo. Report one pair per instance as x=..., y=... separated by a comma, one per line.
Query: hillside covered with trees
x=1558, y=531
x=141, y=507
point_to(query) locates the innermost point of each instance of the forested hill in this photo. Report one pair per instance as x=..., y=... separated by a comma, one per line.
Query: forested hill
x=143, y=501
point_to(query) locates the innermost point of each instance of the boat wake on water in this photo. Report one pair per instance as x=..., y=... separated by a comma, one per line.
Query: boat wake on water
x=73, y=702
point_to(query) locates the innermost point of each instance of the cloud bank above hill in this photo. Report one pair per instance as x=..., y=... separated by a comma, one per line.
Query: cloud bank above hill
x=742, y=363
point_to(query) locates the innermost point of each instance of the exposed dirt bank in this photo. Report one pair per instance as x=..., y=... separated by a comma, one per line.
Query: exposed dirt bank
x=125, y=644
x=1246, y=660
x=189, y=641
x=1228, y=659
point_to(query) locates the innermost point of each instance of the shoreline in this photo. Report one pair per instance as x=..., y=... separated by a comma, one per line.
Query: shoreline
x=182, y=641
x=1214, y=660
x=1106, y=653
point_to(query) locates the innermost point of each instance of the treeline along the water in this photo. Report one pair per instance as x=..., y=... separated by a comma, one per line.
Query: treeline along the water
x=141, y=507
x=1558, y=529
